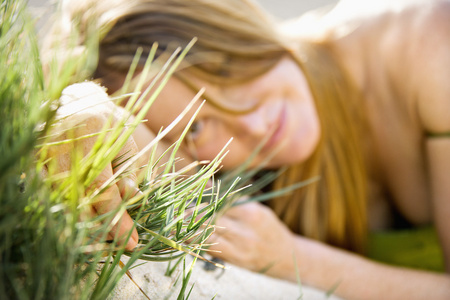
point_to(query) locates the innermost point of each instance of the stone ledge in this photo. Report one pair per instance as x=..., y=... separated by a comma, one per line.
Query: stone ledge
x=234, y=283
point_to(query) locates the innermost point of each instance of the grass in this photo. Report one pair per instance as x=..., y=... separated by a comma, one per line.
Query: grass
x=47, y=245
x=49, y=249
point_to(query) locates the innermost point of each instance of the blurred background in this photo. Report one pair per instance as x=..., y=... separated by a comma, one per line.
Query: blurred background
x=282, y=9
x=285, y=9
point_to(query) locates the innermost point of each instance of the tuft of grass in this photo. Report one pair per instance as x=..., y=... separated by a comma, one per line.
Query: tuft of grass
x=48, y=248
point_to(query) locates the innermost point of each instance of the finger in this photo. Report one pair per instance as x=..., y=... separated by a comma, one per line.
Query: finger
x=128, y=185
x=226, y=250
x=220, y=248
x=245, y=211
x=126, y=153
x=121, y=231
x=224, y=229
x=110, y=200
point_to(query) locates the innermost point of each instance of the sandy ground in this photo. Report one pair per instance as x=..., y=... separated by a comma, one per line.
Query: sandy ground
x=233, y=283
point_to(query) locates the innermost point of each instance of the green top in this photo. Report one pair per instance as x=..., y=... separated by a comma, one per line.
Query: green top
x=416, y=248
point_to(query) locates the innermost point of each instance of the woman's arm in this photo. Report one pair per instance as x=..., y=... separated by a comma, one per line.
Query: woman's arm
x=359, y=278
x=432, y=83
x=438, y=153
x=254, y=238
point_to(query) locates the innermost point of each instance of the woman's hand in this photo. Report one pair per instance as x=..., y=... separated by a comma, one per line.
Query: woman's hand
x=85, y=111
x=251, y=236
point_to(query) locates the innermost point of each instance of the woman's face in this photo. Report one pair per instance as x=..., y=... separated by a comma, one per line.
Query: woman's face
x=284, y=118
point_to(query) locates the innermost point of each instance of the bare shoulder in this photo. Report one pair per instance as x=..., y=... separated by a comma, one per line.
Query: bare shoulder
x=431, y=64
x=432, y=20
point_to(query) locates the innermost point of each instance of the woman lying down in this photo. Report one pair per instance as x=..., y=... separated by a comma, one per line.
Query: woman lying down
x=357, y=95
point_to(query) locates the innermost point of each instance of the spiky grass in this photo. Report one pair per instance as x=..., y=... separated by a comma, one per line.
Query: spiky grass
x=47, y=245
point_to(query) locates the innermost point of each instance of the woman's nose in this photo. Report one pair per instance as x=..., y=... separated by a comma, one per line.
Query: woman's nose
x=254, y=123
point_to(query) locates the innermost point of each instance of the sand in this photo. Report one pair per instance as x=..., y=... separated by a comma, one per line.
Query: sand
x=233, y=283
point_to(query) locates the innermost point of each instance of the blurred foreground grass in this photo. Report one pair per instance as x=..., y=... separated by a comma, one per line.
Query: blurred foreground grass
x=48, y=249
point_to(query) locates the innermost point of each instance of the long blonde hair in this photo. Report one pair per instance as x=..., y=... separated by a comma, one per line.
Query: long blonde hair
x=237, y=42
x=333, y=209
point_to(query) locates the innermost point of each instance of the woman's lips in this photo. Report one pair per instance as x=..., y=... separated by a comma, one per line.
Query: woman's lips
x=277, y=132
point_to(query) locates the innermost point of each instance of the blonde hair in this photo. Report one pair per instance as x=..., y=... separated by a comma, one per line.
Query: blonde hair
x=237, y=41
x=333, y=209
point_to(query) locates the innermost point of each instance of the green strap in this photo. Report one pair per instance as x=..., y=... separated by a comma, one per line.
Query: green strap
x=437, y=135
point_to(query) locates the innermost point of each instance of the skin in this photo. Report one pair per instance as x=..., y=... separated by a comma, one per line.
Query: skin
x=94, y=111
x=403, y=77
x=284, y=104
x=399, y=58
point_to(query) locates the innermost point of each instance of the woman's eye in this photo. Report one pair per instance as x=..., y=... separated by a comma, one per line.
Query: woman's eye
x=196, y=129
